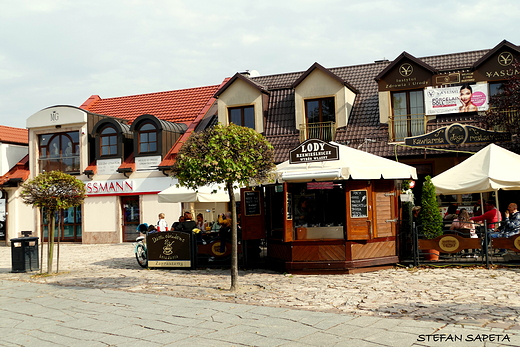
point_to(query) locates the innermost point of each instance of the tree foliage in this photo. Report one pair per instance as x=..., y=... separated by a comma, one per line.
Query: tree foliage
x=230, y=155
x=53, y=191
x=503, y=111
x=430, y=219
x=224, y=154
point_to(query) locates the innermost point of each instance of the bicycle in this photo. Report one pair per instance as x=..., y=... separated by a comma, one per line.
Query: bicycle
x=140, y=250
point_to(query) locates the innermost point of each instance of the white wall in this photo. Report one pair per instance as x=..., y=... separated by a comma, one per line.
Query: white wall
x=10, y=155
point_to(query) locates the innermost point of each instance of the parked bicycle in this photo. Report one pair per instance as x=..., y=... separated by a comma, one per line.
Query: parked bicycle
x=140, y=250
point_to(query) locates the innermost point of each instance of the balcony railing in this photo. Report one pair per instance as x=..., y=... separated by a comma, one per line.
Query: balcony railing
x=407, y=125
x=325, y=131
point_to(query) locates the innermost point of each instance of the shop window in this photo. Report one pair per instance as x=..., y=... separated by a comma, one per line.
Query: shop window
x=69, y=229
x=108, y=141
x=408, y=117
x=320, y=119
x=147, y=141
x=243, y=116
x=59, y=152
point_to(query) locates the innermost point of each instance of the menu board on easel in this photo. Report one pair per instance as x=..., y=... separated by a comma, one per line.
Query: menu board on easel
x=358, y=204
x=252, y=203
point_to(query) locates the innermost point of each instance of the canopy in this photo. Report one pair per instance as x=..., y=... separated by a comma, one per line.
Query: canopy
x=490, y=169
x=352, y=163
x=203, y=194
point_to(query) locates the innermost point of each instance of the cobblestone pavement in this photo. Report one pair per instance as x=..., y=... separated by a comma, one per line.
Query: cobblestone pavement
x=467, y=297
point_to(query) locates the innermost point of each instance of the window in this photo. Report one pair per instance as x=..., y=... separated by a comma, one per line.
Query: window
x=320, y=120
x=320, y=110
x=495, y=88
x=147, y=138
x=108, y=141
x=70, y=226
x=243, y=116
x=408, y=114
x=59, y=152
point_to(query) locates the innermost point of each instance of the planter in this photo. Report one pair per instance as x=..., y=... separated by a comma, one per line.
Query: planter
x=431, y=254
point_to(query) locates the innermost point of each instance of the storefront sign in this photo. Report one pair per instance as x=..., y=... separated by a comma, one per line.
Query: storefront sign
x=107, y=166
x=358, y=204
x=109, y=187
x=314, y=150
x=456, y=99
x=169, y=249
x=457, y=134
x=252, y=203
x=147, y=163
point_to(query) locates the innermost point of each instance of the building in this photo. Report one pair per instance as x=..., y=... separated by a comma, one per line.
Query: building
x=13, y=155
x=122, y=148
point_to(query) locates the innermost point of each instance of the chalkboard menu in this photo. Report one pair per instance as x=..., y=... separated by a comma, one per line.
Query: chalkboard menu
x=170, y=249
x=358, y=203
x=252, y=203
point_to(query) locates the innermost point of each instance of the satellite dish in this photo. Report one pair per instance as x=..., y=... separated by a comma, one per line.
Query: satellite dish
x=254, y=73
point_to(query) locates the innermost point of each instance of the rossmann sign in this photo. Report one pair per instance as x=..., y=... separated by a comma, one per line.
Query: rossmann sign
x=109, y=187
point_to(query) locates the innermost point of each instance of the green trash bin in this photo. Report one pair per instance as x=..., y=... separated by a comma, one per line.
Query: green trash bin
x=24, y=254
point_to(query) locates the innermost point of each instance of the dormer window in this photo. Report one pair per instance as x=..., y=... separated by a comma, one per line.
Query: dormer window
x=108, y=144
x=147, y=142
x=243, y=116
x=320, y=119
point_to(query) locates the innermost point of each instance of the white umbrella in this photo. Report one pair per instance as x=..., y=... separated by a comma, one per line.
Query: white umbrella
x=490, y=169
x=202, y=194
x=352, y=163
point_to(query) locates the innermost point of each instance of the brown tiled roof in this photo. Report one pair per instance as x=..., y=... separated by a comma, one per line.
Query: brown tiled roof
x=14, y=135
x=179, y=106
x=18, y=173
x=364, y=121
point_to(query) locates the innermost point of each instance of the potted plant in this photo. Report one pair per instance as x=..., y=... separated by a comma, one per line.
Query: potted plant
x=430, y=220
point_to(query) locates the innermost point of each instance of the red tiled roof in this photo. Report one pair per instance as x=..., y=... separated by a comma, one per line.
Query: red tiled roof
x=14, y=135
x=179, y=106
x=19, y=172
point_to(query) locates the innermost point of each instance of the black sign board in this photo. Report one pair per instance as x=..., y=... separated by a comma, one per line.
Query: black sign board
x=314, y=150
x=457, y=134
x=252, y=203
x=358, y=204
x=170, y=249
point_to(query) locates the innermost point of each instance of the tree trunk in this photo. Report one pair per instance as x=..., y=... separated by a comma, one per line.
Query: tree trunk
x=50, y=241
x=60, y=234
x=234, y=239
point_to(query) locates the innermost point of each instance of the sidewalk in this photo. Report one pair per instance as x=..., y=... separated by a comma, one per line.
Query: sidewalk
x=385, y=308
x=48, y=315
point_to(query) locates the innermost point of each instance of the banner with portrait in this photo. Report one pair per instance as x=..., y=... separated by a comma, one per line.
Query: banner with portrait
x=465, y=98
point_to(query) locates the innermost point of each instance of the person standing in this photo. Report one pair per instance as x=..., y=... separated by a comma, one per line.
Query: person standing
x=162, y=225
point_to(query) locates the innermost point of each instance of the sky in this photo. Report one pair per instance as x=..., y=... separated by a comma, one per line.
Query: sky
x=60, y=52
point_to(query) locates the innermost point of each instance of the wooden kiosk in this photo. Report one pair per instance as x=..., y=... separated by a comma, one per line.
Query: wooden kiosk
x=333, y=209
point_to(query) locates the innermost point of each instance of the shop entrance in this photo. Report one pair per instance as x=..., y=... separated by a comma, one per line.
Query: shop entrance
x=131, y=217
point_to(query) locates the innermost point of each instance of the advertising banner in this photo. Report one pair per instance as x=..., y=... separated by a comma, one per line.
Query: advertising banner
x=465, y=98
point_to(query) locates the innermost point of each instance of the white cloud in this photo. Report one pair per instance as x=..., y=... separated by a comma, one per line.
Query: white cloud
x=61, y=52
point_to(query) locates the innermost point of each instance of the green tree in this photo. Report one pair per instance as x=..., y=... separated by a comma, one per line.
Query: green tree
x=504, y=107
x=53, y=191
x=430, y=218
x=229, y=155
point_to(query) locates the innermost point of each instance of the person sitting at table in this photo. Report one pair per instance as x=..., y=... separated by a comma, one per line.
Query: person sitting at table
x=463, y=221
x=188, y=225
x=200, y=222
x=176, y=224
x=511, y=224
x=491, y=216
x=451, y=213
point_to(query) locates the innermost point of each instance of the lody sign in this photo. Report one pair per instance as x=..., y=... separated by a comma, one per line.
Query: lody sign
x=313, y=150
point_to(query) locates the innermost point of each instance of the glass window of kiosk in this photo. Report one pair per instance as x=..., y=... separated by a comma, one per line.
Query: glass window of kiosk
x=318, y=204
